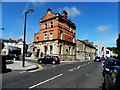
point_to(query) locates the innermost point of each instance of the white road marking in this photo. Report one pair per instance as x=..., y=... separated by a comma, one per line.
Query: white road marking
x=53, y=66
x=22, y=71
x=89, y=62
x=74, y=68
x=79, y=66
x=82, y=65
x=59, y=64
x=45, y=81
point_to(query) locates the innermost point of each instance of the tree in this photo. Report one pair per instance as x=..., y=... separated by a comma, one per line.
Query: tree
x=114, y=49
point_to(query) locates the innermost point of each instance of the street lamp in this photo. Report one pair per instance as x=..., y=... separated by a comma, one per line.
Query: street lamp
x=24, y=43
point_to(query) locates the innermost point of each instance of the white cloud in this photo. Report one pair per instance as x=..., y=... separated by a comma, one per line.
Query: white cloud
x=72, y=11
x=103, y=27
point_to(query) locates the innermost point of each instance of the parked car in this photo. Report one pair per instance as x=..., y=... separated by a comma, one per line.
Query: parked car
x=109, y=64
x=28, y=54
x=111, y=74
x=49, y=59
x=103, y=58
x=97, y=59
x=12, y=57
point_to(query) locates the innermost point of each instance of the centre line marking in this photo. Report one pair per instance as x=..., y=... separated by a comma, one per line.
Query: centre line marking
x=45, y=81
x=74, y=68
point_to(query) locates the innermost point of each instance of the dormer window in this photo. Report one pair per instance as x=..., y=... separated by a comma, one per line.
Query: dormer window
x=45, y=25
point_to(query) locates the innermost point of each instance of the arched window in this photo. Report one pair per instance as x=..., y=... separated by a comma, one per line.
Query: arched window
x=60, y=49
x=73, y=39
x=73, y=51
x=61, y=34
x=51, y=35
x=45, y=26
x=51, y=49
x=51, y=24
x=45, y=35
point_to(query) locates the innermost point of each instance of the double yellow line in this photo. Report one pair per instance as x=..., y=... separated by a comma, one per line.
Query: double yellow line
x=40, y=68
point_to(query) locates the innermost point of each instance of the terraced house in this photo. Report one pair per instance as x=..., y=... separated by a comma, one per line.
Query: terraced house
x=57, y=36
x=85, y=50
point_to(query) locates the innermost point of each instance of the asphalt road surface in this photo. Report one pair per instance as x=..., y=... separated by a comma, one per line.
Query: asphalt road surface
x=65, y=75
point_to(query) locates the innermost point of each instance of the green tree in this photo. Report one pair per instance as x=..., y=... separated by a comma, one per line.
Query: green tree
x=114, y=49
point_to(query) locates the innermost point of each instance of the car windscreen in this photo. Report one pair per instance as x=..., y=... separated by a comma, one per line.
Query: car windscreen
x=47, y=57
x=97, y=58
x=55, y=57
x=12, y=55
x=110, y=63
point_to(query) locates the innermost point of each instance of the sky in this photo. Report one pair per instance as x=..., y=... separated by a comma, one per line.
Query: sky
x=95, y=21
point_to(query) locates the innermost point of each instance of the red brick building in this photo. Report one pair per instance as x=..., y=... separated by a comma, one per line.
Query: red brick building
x=57, y=36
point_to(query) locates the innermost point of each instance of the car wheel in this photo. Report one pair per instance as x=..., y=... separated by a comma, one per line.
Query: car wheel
x=14, y=58
x=118, y=84
x=53, y=62
x=116, y=80
x=40, y=61
x=114, y=75
x=106, y=82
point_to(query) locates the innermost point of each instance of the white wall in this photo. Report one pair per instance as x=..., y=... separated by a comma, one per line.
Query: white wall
x=99, y=52
x=5, y=50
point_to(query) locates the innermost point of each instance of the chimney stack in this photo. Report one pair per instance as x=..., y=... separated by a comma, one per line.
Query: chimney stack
x=64, y=13
x=49, y=10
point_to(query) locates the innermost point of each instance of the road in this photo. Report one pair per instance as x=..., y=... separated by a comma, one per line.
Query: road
x=65, y=75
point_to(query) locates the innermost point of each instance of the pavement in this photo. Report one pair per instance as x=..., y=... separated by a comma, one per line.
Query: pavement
x=17, y=65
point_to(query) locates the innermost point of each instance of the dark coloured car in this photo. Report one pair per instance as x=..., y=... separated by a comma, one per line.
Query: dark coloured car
x=111, y=74
x=28, y=54
x=12, y=57
x=103, y=58
x=49, y=59
x=97, y=59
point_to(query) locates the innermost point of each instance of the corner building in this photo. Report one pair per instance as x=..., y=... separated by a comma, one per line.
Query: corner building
x=57, y=36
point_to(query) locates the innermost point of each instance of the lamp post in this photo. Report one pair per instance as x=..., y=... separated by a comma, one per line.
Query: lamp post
x=24, y=43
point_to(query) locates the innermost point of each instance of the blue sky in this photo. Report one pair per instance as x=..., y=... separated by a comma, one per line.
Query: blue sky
x=95, y=21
